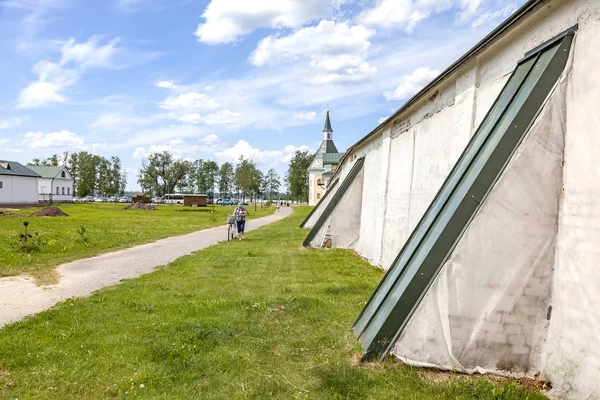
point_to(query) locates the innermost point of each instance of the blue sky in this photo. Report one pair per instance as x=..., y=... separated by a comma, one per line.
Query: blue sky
x=214, y=79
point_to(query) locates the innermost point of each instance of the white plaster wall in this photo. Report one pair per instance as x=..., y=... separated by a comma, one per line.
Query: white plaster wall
x=6, y=191
x=573, y=364
x=437, y=128
x=18, y=189
x=47, y=189
x=343, y=228
x=373, y=199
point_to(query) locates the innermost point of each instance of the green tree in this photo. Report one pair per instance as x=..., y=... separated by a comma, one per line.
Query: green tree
x=198, y=177
x=211, y=175
x=247, y=178
x=272, y=183
x=297, y=175
x=226, y=172
x=161, y=173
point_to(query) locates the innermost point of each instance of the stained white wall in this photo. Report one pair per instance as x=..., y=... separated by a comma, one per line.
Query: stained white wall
x=18, y=190
x=573, y=364
x=408, y=159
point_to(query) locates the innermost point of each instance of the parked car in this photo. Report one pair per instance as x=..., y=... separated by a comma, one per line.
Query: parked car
x=88, y=199
x=219, y=201
x=209, y=201
x=112, y=199
x=125, y=200
x=226, y=202
x=156, y=200
x=76, y=198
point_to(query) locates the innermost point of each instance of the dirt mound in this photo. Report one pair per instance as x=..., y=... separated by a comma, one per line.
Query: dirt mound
x=49, y=212
x=141, y=206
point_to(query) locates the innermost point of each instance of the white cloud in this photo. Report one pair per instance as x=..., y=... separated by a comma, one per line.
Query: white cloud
x=211, y=138
x=180, y=149
x=406, y=14
x=89, y=54
x=380, y=120
x=11, y=123
x=125, y=122
x=189, y=101
x=167, y=84
x=492, y=17
x=411, y=84
x=4, y=141
x=159, y=135
x=53, y=78
x=305, y=115
x=337, y=50
x=9, y=150
x=269, y=158
x=226, y=21
x=63, y=139
x=39, y=94
x=220, y=118
x=128, y=6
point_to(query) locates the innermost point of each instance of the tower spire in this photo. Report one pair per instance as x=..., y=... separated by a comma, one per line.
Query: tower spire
x=327, y=131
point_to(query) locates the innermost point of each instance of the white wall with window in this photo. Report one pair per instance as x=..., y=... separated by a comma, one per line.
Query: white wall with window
x=55, y=184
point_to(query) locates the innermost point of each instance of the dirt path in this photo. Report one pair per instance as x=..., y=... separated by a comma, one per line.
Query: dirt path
x=20, y=297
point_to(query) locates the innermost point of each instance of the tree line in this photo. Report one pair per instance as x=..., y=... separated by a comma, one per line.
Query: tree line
x=161, y=174
x=92, y=174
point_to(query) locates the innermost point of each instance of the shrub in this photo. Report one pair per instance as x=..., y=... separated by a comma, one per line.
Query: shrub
x=27, y=240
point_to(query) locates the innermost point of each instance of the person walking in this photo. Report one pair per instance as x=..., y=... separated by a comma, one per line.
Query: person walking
x=240, y=218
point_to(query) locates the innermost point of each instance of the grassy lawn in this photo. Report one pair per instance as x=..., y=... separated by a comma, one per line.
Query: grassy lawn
x=109, y=227
x=258, y=319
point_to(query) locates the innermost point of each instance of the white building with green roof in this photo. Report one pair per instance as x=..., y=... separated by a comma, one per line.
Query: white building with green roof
x=55, y=183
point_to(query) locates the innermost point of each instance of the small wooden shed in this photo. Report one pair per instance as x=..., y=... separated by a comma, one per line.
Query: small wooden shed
x=140, y=197
x=198, y=200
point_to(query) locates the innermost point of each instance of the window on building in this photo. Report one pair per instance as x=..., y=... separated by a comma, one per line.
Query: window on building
x=68, y=190
x=62, y=174
x=0, y=184
x=318, y=196
x=63, y=190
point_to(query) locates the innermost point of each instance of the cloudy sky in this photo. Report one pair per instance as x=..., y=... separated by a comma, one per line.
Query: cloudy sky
x=214, y=79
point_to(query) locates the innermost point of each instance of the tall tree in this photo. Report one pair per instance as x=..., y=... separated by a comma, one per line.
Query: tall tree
x=161, y=173
x=247, y=178
x=272, y=183
x=225, y=179
x=211, y=174
x=297, y=175
x=198, y=176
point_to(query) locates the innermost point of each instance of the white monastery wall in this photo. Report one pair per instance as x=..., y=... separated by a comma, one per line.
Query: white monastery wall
x=408, y=159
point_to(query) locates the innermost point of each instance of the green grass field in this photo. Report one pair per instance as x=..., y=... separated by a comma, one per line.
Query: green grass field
x=109, y=227
x=258, y=319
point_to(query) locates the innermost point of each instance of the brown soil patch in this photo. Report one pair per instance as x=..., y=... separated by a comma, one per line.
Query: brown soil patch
x=445, y=376
x=49, y=212
x=5, y=380
x=7, y=214
x=141, y=206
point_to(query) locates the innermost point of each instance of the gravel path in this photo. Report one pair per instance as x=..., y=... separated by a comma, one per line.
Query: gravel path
x=20, y=296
